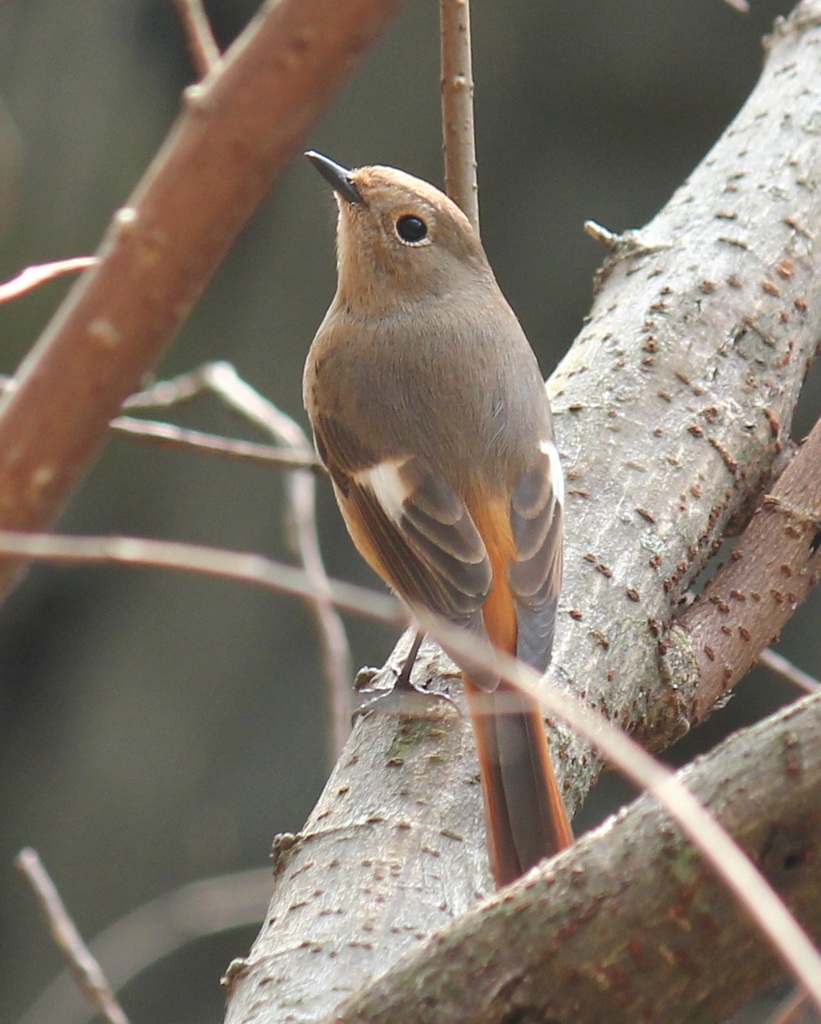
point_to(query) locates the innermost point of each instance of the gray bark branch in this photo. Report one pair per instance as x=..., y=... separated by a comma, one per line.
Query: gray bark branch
x=630, y=924
x=673, y=408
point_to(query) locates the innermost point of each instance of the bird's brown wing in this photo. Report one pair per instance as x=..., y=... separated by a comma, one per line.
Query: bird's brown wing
x=409, y=525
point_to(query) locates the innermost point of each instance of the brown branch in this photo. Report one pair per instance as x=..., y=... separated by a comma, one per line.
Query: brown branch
x=203, y=47
x=238, y=131
x=457, y=107
x=87, y=972
x=772, y=569
x=169, y=435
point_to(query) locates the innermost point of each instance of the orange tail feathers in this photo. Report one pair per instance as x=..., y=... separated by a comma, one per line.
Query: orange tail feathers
x=525, y=814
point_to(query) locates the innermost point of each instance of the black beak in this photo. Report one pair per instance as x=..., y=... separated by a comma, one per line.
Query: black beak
x=338, y=176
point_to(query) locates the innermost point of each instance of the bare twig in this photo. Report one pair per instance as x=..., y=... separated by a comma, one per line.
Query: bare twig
x=457, y=107
x=779, y=666
x=201, y=43
x=791, y=1009
x=604, y=236
x=245, y=566
x=39, y=273
x=239, y=128
x=84, y=967
x=156, y=930
x=222, y=380
x=169, y=435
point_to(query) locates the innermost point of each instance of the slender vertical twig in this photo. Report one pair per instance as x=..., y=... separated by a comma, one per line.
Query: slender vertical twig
x=84, y=967
x=222, y=380
x=457, y=107
x=201, y=43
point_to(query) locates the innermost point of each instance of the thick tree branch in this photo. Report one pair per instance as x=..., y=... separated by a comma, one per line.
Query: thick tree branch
x=672, y=408
x=239, y=128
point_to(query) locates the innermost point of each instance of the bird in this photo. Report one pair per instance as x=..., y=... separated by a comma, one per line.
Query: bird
x=431, y=416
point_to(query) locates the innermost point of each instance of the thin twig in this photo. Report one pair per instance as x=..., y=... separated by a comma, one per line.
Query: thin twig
x=457, y=108
x=169, y=435
x=39, y=273
x=791, y=1009
x=779, y=666
x=157, y=929
x=84, y=967
x=222, y=380
x=245, y=566
x=604, y=236
x=202, y=45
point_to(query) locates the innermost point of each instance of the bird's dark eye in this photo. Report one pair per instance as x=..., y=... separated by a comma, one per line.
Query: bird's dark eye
x=411, y=229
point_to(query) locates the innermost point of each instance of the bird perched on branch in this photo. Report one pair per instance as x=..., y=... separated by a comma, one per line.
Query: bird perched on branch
x=430, y=413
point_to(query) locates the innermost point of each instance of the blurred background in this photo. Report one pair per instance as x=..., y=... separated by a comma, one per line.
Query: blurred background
x=157, y=729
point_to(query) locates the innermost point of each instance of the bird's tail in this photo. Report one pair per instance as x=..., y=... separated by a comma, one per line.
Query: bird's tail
x=524, y=810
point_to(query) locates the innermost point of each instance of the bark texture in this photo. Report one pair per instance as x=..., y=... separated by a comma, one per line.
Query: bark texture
x=629, y=924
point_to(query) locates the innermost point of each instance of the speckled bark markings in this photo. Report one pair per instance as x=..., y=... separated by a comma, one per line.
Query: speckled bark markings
x=674, y=403
x=366, y=877
x=629, y=925
x=775, y=564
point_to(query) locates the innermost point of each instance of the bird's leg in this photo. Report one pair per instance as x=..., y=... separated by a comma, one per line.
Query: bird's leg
x=403, y=680
x=404, y=697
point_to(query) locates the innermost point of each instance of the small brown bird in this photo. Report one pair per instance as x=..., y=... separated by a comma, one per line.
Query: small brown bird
x=430, y=413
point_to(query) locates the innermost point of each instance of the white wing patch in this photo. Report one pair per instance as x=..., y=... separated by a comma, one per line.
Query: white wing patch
x=557, y=477
x=387, y=486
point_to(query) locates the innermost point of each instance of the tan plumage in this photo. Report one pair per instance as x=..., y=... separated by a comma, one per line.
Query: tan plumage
x=429, y=410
